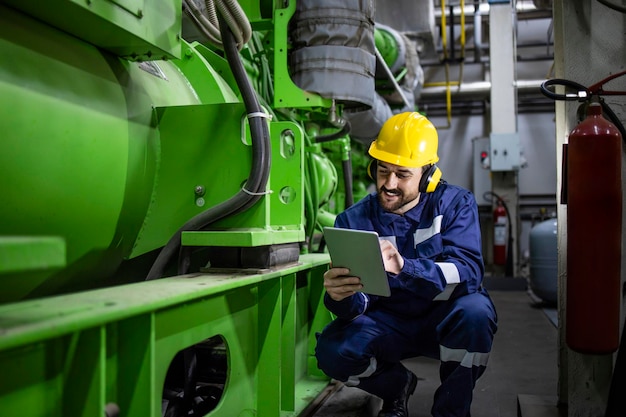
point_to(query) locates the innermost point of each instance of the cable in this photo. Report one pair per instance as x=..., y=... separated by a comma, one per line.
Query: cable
x=347, y=181
x=345, y=130
x=230, y=12
x=205, y=25
x=259, y=171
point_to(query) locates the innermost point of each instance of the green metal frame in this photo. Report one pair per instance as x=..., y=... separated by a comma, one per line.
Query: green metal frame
x=138, y=30
x=286, y=93
x=72, y=355
x=187, y=163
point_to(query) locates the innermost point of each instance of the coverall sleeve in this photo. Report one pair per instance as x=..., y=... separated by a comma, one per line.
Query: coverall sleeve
x=348, y=308
x=449, y=261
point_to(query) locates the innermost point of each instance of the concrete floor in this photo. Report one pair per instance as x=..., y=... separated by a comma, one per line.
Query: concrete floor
x=520, y=380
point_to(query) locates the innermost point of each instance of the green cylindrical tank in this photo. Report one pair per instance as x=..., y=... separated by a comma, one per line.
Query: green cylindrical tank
x=80, y=148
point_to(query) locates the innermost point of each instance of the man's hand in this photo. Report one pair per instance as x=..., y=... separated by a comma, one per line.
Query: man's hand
x=340, y=284
x=391, y=257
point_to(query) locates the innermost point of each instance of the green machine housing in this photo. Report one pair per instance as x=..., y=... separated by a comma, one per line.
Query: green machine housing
x=116, y=131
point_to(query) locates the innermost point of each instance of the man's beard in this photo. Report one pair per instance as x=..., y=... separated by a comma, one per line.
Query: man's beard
x=398, y=203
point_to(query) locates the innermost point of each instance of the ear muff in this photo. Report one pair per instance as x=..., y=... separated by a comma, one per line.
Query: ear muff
x=430, y=179
x=371, y=169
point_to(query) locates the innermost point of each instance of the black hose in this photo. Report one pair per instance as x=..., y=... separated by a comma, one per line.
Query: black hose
x=616, y=7
x=259, y=172
x=345, y=130
x=614, y=119
x=565, y=83
x=347, y=181
x=583, y=94
x=346, y=165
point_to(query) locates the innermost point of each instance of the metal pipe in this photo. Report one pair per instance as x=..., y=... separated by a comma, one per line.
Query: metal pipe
x=478, y=27
x=479, y=89
x=523, y=11
x=380, y=61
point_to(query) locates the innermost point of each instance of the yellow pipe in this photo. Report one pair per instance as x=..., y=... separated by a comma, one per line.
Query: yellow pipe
x=440, y=83
x=444, y=44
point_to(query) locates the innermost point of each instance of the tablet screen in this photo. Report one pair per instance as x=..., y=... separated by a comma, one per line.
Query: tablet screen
x=359, y=251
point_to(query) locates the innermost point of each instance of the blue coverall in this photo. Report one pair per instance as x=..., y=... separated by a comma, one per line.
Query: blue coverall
x=438, y=307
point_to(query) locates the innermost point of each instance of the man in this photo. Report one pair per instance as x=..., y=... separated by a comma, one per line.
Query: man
x=431, y=245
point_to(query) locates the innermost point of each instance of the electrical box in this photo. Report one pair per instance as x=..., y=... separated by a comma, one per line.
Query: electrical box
x=505, y=154
x=481, y=171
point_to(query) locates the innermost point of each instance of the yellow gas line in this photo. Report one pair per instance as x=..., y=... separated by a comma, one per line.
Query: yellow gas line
x=444, y=43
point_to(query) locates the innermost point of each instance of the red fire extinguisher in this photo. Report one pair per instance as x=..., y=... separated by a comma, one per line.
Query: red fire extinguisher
x=594, y=226
x=500, y=223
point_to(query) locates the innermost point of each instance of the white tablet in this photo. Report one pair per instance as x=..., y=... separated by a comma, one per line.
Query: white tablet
x=359, y=251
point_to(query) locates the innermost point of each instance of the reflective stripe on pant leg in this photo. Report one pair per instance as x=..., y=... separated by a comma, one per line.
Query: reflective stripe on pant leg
x=454, y=396
x=465, y=358
x=354, y=380
x=465, y=335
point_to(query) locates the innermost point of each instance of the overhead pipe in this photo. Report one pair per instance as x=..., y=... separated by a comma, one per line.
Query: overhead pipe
x=523, y=11
x=479, y=89
x=478, y=35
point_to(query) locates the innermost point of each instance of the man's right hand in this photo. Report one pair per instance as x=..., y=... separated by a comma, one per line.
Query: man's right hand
x=340, y=284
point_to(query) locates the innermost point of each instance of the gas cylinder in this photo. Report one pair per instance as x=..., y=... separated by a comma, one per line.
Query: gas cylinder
x=543, y=249
x=594, y=225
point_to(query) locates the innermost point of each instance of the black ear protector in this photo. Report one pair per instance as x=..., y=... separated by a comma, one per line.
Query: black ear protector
x=372, y=167
x=429, y=181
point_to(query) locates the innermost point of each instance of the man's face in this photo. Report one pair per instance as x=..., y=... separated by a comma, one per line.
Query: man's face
x=398, y=187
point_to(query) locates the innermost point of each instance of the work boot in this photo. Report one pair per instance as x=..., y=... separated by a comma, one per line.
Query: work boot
x=398, y=407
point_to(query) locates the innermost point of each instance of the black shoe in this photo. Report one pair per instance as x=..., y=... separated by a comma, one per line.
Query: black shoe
x=398, y=407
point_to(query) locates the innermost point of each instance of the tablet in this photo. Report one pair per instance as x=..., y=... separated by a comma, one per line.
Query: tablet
x=359, y=251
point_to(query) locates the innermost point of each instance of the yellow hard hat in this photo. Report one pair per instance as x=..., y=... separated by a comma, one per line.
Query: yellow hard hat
x=408, y=140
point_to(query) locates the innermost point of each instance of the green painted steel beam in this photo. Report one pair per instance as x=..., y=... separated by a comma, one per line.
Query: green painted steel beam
x=80, y=353
x=243, y=238
x=31, y=253
x=286, y=92
x=138, y=30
